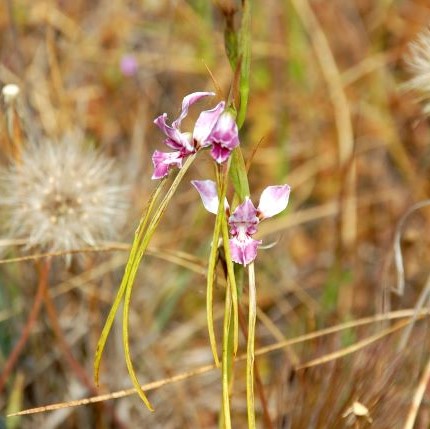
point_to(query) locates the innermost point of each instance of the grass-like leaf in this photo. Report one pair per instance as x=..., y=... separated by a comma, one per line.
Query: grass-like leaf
x=139, y=247
x=244, y=49
x=133, y=260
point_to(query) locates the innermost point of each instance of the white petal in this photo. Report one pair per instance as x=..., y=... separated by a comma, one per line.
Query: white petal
x=274, y=200
x=208, y=193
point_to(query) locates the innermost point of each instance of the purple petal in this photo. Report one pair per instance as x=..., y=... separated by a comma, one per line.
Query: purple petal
x=188, y=101
x=184, y=143
x=225, y=131
x=273, y=200
x=245, y=213
x=219, y=153
x=205, y=123
x=243, y=222
x=163, y=162
x=243, y=251
x=175, y=139
x=224, y=137
x=208, y=193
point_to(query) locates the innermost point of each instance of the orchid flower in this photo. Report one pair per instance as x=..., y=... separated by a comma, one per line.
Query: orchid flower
x=214, y=128
x=244, y=220
x=222, y=137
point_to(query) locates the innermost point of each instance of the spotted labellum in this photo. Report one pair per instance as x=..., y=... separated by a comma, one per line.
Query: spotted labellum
x=243, y=222
x=215, y=129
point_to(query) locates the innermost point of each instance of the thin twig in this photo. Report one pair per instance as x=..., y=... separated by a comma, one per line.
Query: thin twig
x=419, y=306
x=31, y=321
x=417, y=398
x=67, y=352
x=64, y=346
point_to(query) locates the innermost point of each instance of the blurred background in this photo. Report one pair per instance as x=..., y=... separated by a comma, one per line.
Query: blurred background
x=327, y=114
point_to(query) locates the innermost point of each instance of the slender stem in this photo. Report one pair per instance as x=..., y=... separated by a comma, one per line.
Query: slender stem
x=226, y=360
x=31, y=321
x=209, y=288
x=244, y=43
x=250, y=355
x=228, y=260
x=258, y=383
x=233, y=286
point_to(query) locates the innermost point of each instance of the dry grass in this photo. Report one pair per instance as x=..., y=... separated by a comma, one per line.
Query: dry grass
x=330, y=120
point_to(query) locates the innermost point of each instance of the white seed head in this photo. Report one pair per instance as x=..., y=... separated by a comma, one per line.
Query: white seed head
x=418, y=61
x=62, y=196
x=10, y=92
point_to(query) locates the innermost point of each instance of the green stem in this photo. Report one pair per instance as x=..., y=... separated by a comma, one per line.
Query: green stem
x=232, y=281
x=244, y=48
x=226, y=359
x=210, y=283
x=250, y=355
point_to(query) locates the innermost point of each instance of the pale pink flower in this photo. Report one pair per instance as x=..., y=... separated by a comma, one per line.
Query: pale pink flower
x=244, y=220
x=214, y=128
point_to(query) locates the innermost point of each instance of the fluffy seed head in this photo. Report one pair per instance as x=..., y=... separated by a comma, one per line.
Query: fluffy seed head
x=62, y=196
x=418, y=61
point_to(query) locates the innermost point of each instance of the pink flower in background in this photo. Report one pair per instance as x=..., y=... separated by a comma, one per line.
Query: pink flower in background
x=128, y=65
x=214, y=128
x=243, y=222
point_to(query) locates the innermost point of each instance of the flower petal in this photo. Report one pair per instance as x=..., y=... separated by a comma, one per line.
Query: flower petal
x=274, y=200
x=244, y=213
x=225, y=131
x=164, y=161
x=224, y=137
x=188, y=101
x=208, y=193
x=243, y=251
x=219, y=153
x=205, y=123
x=175, y=139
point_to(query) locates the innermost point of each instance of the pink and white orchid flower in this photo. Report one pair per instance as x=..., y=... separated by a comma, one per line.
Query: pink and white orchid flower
x=214, y=128
x=244, y=220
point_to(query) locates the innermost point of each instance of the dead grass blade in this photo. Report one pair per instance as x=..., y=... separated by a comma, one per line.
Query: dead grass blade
x=417, y=398
x=398, y=257
x=355, y=347
x=259, y=352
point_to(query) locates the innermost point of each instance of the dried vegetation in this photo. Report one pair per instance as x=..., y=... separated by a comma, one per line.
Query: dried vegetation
x=330, y=118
